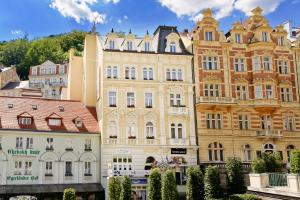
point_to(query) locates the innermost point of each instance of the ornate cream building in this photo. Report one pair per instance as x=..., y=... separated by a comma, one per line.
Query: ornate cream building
x=247, y=90
x=143, y=91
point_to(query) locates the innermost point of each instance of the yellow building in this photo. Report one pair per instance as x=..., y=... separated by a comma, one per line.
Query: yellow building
x=246, y=89
x=143, y=90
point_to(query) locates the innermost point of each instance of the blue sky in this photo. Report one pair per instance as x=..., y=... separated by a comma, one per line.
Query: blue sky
x=40, y=18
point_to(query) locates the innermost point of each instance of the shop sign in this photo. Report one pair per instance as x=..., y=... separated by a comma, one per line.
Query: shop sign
x=178, y=151
x=23, y=152
x=139, y=181
x=22, y=178
x=123, y=151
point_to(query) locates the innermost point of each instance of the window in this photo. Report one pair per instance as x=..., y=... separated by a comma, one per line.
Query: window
x=129, y=73
x=112, y=99
x=256, y=63
x=87, y=144
x=147, y=73
x=258, y=92
x=213, y=121
x=129, y=46
x=267, y=64
x=176, y=131
x=147, y=46
x=289, y=150
x=280, y=41
x=19, y=143
x=69, y=144
x=34, y=71
x=174, y=75
x=265, y=37
x=113, y=131
x=115, y=72
x=289, y=123
x=78, y=122
x=54, y=122
x=121, y=164
x=286, y=95
x=130, y=99
x=208, y=36
x=269, y=91
x=211, y=90
x=18, y=168
x=87, y=169
x=111, y=44
x=244, y=122
x=173, y=131
x=132, y=72
x=68, y=171
x=179, y=75
x=149, y=130
x=62, y=69
x=173, y=47
x=266, y=122
x=29, y=143
x=239, y=64
x=131, y=129
x=210, y=63
x=241, y=92
x=150, y=73
x=269, y=148
x=283, y=67
x=179, y=131
x=247, y=153
x=49, y=144
x=48, y=170
x=238, y=38
x=148, y=100
x=175, y=100
x=25, y=120
x=215, y=152
x=28, y=168
x=168, y=75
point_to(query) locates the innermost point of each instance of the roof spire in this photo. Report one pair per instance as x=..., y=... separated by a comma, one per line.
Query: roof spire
x=207, y=12
x=257, y=11
x=129, y=31
x=112, y=30
x=147, y=33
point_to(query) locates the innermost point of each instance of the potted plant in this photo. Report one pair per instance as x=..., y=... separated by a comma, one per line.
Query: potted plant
x=113, y=136
x=150, y=137
x=131, y=137
x=294, y=178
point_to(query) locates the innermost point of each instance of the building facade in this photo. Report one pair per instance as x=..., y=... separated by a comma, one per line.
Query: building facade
x=246, y=89
x=47, y=146
x=7, y=75
x=50, y=78
x=143, y=90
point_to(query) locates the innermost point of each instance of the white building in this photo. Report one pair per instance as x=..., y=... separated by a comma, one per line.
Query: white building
x=46, y=146
x=50, y=78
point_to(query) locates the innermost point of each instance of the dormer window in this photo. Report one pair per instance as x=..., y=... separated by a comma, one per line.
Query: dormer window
x=34, y=107
x=238, y=38
x=54, y=122
x=265, y=37
x=129, y=46
x=10, y=105
x=25, y=120
x=111, y=44
x=209, y=36
x=147, y=46
x=173, y=47
x=280, y=41
x=78, y=122
x=61, y=108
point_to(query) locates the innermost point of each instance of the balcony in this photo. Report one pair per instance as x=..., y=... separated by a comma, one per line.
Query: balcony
x=178, y=141
x=178, y=110
x=130, y=141
x=131, y=173
x=269, y=134
x=216, y=100
x=36, y=85
x=58, y=84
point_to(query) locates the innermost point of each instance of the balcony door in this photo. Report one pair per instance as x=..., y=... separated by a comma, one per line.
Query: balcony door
x=266, y=122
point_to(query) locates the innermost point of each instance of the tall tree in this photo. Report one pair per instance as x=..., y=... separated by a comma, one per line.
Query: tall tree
x=169, y=186
x=125, y=188
x=235, y=176
x=13, y=53
x=114, y=188
x=195, y=184
x=154, y=185
x=213, y=189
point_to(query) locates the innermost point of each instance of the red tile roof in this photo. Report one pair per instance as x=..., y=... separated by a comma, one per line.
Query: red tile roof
x=46, y=109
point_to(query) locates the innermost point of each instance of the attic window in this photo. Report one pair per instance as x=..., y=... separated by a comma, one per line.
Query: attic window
x=173, y=47
x=10, y=105
x=78, y=122
x=25, y=120
x=54, y=122
x=61, y=108
x=34, y=107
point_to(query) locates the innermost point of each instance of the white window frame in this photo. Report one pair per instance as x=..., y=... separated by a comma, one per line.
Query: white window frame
x=242, y=92
x=49, y=168
x=87, y=144
x=19, y=143
x=130, y=99
x=269, y=91
x=149, y=129
x=112, y=99
x=113, y=128
x=256, y=63
x=238, y=38
x=214, y=120
x=244, y=122
x=210, y=63
x=283, y=67
x=173, y=47
x=286, y=94
x=18, y=167
x=208, y=36
x=239, y=65
x=27, y=167
x=267, y=63
x=265, y=36
x=29, y=143
x=148, y=100
x=54, y=122
x=49, y=143
x=258, y=91
x=211, y=90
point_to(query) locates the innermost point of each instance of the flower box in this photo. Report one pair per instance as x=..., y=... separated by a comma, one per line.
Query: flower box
x=113, y=136
x=150, y=137
x=131, y=137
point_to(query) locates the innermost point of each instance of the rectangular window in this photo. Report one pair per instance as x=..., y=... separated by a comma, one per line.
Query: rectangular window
x=168, y=74
x=18, y=168
x=112, y=99
x=115, y=72
x=280, y=41
x=54, y=122
x=210, y=63
x=283, y=67
x=62, y=69
x=258, y=92
x=28, y=168
x=238, y=38
x=243, y=122
x=87, y=168
x=19, y=143
x=256, y=63
x=269, y=92
x=289, y=123
x=211, y=90
x=111, y=44
x=69, y=145
x=265, y=37
x=48, y=170
x=49, y=144
x=68, y=169
x=209, y=36
x=175, y=100
x=148, y=100
x=129, y=46
x=147, y=46
x=285, y=94
x=213, y=121
x=87, y=144
x=266, y=122
x=25, y=121
x=239, y=65
x=241, y=92
x=267, y=64
x=130, y=99
x=29, y=143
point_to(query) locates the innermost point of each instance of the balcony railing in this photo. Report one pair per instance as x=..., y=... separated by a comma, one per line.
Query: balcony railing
x=132, y=173
x=36, y=85
x=178, y=141
x=225, y=100
x=132, y=141
x=269, y=133
x=178, y=110
x=62, y=83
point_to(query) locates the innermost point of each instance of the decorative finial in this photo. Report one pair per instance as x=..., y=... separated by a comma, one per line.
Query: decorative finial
x=257, y=11
x=129, y=31
x=207, y=12
x=147, y=33
x=112, y=30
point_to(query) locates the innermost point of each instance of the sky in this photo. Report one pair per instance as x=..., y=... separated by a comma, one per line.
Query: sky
x=38, y=18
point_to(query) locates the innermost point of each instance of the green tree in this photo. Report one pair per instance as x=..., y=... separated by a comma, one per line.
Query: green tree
x=258, y=166
x=195, y=184
x=212, y=187
x=154, y=185
x=114, y=188
x=295, y=162
x=273, y=162
x=69, y=194
x=13, y=53
x=74, y=39
x=169, y=186
x=235, y=176
x=125, y=188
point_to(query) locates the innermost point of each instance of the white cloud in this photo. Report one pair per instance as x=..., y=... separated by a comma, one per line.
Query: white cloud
x=222, y=8
x=125, y=17
x=16, y=32
x=119, y=21
x=80, y=10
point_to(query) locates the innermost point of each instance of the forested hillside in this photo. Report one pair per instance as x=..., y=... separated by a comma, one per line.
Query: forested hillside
x=25, y=53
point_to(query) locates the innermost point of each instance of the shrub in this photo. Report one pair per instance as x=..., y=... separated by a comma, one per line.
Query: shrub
x=69, y=194
x=243, y=197
x=154, y=185
x=125, y=188
x=273, y=162
x=295, y=162
x=169, y=186
x=195, y=184
x=235, y=176
x=114, y=188
x=259, y=166
x=212, y=186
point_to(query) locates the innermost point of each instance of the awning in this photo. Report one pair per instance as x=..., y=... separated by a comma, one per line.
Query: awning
x=49, y=188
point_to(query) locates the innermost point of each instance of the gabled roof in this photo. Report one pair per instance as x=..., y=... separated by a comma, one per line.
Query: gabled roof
x=54, y=116
x=25, y=114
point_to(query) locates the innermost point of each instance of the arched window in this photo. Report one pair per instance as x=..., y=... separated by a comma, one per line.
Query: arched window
x=247, y=152
x=289, y=150
x=215, y=152
x=173, y=47
x=149, y=130
x=108, y=72
x=173, y=127
x=127, y=73
x=179, y=128
x=269, y=148
x=132, y=73
x=149, y=163
x=113, y=131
